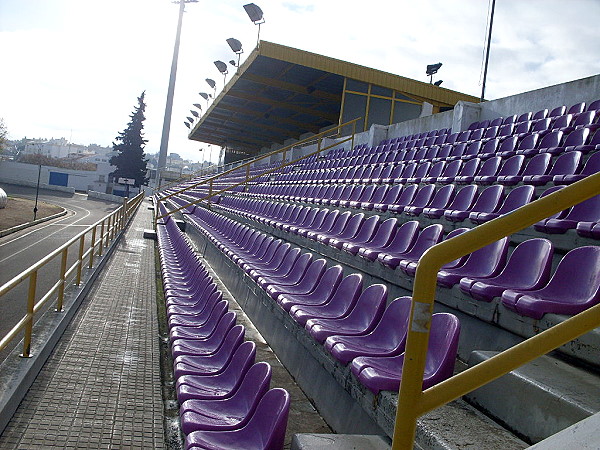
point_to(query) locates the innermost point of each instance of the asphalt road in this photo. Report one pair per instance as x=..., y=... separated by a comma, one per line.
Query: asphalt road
x=20, y=250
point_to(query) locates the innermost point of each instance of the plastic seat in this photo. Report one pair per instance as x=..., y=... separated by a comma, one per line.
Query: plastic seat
x=462, y=201
x=511, y=167
x=403, y=239
x=387, y=338
x=528, y=268
x=587, y=212
x=384, y=234
x=223, y=331
x=537, y=165
x=389, y=199
x=419, y=201
x=385, y=373
x=264, y=430
x=421, y=172
x=361, y=320
x=277, y=267
x=326, y=226
x=364, y=197
x=516, y=198
x=487, y=202
x=307, y=283
x=377, y=197
x=574, y=287
x=350, y=229
x=436, y=171
x=430, y=236
x=220, y=385
x=487, y=169
x=342, y=301
x=322, y=292
x=227, y=413
x=486, y=262
x=293, y=276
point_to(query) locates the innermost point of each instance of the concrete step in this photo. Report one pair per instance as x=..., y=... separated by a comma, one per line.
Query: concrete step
x=538, y=399
x=582, y=435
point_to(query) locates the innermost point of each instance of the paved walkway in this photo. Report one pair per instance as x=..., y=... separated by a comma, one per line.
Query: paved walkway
x=101, y=388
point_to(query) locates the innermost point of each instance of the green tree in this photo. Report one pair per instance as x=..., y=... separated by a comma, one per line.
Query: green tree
x=3, y=136
x=131, y=160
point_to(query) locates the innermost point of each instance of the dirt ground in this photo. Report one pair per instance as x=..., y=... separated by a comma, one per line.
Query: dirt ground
x=19, y=211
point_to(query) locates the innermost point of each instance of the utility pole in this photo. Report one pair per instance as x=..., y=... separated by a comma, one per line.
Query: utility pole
x=487, y=53
x=164, y=141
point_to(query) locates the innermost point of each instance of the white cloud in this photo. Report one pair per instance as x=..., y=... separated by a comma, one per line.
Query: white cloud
x=76, y=67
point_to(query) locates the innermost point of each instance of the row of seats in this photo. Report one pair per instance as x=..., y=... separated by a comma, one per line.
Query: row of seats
x=224, y=396
x=522, y=281
x=508, y=158
x=452, y=203
x=332, y=307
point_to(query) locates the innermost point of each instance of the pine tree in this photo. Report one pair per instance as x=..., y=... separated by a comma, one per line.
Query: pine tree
x=130, y=161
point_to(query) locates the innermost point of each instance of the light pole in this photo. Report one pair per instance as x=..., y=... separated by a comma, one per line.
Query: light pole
x=164, y=141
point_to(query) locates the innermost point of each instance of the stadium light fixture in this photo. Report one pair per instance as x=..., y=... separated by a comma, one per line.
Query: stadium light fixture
x=213, y=85
x=187, y=124
x=256, y=16
x=438, y=82
x=432, y=70
x=194, y=113
x=236, y=47
x=223, y=69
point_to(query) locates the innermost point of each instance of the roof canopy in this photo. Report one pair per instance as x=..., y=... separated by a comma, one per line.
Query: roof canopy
x=281, y=93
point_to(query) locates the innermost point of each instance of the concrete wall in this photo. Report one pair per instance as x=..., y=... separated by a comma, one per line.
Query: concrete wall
x=27, y=174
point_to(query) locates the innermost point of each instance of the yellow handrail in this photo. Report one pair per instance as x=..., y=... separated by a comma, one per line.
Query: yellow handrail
x=123, y=212
x=283, y=150
x=412, y=401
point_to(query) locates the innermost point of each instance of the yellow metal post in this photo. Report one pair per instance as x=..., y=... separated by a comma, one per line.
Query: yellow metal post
x=61, y=289
x=100, y=248
x=80, y=259
x=29, y=316
x=93, y=247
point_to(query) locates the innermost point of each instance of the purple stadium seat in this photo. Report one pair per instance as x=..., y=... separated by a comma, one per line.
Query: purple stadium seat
x=587, y=211
x=436, y=171
x=486, y=262
x=462, y=201
x=487, y=169
x=342, y=301
x=528, y=268
x=577, y=108
x=384, y=234
x=264, y=430
x=420, y=200
x=541, y=114
x=566, y=164
x=224, y=331
x=203, y=332
x=430, y=236
x=227, y=413
x=365, y=232
x=467, y=170
x=487, y=202
x=511, y=167
x=472, y=150
x=457, y=151
x=361, y=320
x=516, y=198
x=328, y=223
x=321, y=293
x=387, y=338
x=377, y=197
x=407, y=172
x=450, y=172
x=221, y=385
x=574, y=287
x=508, y=147
x=441, y=198
x=349, y=230
x=401, y=242
x=537, y=165
x=558, y=111
x=592, y=166
x=384, y=373
x=291, y=277
x=405, y=197
x=305, y=284
x=389, y=199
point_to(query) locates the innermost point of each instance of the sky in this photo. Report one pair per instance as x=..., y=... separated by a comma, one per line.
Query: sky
x=75, y=68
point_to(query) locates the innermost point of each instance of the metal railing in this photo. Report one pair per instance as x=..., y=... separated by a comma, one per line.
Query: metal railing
x=318, y=139
x=100, y=235
x=413, y=402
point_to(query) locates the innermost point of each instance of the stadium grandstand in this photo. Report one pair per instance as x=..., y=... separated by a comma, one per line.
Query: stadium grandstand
x=348, y=179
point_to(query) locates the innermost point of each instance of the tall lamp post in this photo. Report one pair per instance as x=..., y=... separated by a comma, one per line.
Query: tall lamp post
x=164, y=141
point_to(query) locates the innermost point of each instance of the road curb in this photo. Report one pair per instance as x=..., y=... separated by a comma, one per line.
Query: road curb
x=32, y=223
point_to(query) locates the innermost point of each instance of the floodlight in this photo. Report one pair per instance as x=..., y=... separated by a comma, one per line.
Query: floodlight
x=236, y=46
x=433, y=68
x=255, y=13
x=197, y=105
x=204, y=95
x=211, y=83
x=233, y=63
x=187, y=124
x=191, y=119
x=194, y=113
x=438, y=82
x=221, y=66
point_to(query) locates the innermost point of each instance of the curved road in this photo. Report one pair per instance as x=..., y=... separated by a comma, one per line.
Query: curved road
x=20, y=250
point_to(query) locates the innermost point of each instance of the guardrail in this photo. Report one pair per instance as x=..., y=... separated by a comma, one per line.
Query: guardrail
x=100, y=234
x=318, y=138
x=412, y=401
